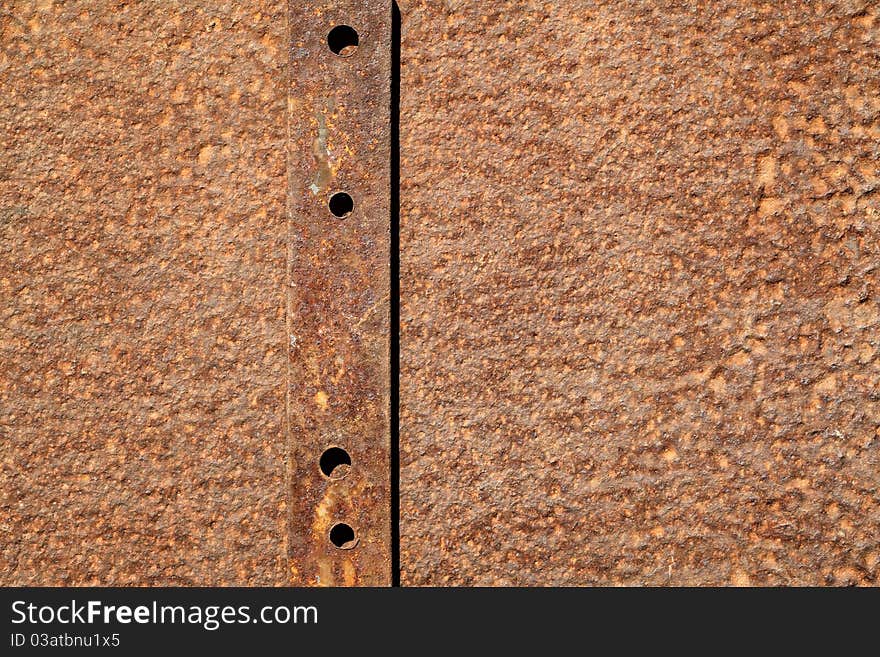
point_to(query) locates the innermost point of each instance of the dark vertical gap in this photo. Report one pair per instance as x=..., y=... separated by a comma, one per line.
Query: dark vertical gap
x=395, y=294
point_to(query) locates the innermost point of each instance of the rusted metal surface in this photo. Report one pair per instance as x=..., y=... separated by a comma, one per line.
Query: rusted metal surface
x=639, y=274
x=143, y=258
x=339, y=291
x=185, y=327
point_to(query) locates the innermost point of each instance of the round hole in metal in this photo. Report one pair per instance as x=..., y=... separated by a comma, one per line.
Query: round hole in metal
x=343, y=40
x=342, y=536
x=341, y=205
x=335, y=462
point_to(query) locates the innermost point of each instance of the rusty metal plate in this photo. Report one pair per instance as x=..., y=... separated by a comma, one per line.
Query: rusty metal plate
x=639, y=275
x=339, y=109
x=175, y=350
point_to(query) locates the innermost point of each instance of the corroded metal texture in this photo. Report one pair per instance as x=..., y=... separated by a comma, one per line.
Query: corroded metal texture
x=339, y=110
x=150, y=252
x=639, y=278
x=142, y=338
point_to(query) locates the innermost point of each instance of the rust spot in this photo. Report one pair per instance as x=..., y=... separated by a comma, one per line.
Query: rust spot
x=321, y=400
x=321, y=153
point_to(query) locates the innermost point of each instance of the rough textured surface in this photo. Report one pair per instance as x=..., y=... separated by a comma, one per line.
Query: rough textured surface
x=143, y=246
x=185, y=327
x=339, y=291
x=639, y=292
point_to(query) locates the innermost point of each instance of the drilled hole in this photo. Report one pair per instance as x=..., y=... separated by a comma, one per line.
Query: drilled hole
x=342, y=536
x=343, y=40
x=334, y=462
x=341, y=204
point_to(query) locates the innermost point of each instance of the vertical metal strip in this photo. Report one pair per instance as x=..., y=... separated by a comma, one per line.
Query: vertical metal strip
x=338, y=297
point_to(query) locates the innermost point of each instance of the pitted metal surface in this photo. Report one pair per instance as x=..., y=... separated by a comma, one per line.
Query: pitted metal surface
x=639, y=313
x=143, y=258
x=185, y=327
x=638, y=293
